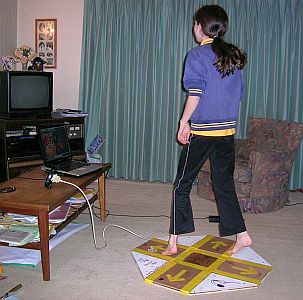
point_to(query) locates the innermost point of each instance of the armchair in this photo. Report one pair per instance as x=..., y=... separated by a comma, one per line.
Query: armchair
x=263, y=165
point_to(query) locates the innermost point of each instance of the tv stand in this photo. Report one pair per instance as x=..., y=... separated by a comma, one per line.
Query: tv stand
x=19, y=145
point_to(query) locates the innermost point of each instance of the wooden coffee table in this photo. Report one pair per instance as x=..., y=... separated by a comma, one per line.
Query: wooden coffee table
x=33, y=198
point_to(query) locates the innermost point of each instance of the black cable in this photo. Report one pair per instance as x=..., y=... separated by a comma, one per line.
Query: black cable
x=140, y=216
x=300, y=190
x=293, y=204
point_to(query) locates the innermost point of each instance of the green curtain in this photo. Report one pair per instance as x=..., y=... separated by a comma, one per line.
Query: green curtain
x=131, y=75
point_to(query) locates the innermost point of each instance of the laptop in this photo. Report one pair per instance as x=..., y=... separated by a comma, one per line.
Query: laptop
x=57, y=155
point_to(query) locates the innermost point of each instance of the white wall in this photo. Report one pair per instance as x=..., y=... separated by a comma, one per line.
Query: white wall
x=69, y=15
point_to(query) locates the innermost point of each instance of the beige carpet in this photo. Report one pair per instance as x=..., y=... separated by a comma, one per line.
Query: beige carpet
x=78, y=271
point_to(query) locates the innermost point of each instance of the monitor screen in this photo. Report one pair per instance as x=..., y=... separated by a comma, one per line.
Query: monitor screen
x=54, y=143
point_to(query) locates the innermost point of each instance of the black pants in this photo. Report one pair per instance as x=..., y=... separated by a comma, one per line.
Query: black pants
x=221, y=152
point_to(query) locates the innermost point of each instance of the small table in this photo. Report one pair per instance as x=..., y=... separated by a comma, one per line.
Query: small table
x=33, y=198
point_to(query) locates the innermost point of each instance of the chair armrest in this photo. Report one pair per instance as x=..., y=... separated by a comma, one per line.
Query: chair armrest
x=270, y=173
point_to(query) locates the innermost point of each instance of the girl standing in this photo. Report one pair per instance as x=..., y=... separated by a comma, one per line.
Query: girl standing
x=214, y=82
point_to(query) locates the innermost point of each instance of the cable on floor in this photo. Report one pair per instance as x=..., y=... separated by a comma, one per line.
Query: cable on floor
x=57, y=179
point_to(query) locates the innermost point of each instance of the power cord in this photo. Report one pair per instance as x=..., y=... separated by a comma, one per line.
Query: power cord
x=293, y=204
x=121, y=227
x=54, y=178
x=211, y=219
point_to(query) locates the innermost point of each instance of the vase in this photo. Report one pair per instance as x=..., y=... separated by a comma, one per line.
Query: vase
x=24, y=66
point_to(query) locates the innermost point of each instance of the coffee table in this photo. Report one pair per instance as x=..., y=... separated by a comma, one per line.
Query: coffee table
x=33, y=198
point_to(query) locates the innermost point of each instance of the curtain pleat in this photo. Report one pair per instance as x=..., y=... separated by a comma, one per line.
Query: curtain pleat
x=131, y=75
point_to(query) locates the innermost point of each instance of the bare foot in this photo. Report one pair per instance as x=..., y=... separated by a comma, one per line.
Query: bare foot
x=243, y=240
x=172, y=245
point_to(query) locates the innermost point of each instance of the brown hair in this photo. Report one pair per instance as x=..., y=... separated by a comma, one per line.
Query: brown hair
x=214, y=23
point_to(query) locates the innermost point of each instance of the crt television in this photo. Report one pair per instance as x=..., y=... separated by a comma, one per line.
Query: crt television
x=26, y=94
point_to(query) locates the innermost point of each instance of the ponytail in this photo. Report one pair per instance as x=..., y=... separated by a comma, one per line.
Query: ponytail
x=214, y=23
x=229, y=57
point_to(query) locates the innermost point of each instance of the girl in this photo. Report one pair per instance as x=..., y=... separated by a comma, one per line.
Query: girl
x=213, y=79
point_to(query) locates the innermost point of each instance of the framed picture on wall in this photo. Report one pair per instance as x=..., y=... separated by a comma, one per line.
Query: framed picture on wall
x=46, y=41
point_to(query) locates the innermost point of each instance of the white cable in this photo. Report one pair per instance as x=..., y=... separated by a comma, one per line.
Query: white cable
x=58, y=179
x=121, y=227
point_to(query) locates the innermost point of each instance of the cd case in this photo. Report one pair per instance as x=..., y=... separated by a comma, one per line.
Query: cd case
x=96, y=144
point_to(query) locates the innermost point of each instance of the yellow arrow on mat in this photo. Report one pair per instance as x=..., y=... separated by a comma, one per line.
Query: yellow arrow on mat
x=218, y=244
x=155, y=248
x=177, y=277
x=249, y=271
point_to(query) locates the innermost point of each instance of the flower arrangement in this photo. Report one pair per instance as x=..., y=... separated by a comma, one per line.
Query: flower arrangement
x=24, y=54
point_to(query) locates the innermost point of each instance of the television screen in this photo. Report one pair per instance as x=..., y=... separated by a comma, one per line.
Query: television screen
x=29, y=92
x=26, y=93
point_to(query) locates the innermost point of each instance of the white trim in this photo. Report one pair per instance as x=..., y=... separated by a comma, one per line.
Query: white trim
x=174, y=196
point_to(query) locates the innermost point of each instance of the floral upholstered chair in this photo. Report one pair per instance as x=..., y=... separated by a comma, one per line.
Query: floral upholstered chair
x=263, y=165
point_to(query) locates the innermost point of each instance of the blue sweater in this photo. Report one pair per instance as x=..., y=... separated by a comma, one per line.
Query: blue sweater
x=217, y=111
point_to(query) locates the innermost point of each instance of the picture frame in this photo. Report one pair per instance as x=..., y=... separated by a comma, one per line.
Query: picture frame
x=46, y=41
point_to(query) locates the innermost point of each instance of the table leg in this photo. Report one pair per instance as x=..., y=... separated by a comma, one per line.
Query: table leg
x=44, y=243
x=101, y=186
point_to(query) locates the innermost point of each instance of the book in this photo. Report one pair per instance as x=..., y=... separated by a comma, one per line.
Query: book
x=33, y=229
x=15, y=237
x=59, y=214
x=78, y=198
x=24, y=218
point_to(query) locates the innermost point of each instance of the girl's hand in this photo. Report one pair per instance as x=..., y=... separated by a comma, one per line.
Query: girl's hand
x=184, y=128
x=184, y=133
